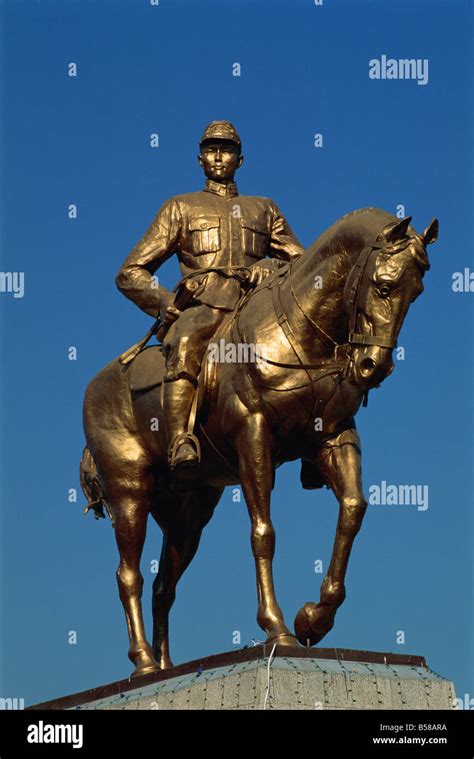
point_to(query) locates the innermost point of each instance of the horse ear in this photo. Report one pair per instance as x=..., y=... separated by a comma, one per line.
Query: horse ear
x=398, y=230
x=431, y=233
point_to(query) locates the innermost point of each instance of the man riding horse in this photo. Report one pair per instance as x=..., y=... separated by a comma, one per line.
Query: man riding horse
x=217, y=235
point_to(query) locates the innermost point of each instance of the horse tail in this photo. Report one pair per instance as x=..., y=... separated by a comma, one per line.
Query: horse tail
x=92, y=487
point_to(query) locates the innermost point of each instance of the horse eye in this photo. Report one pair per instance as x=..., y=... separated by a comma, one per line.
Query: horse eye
x=384, y=291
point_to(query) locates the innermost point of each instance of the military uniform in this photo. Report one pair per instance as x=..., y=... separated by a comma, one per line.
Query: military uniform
x=217, y=234
x=213, y=229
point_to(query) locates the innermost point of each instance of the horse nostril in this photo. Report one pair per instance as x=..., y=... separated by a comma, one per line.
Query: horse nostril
x=367, y=366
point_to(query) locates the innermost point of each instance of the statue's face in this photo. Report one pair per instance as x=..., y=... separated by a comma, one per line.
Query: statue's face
x=220, y=160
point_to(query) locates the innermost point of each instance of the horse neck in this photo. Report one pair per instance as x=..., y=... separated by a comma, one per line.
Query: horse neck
x=319, y=276
x=316, y=288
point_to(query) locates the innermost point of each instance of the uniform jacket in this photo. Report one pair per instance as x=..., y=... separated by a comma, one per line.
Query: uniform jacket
x=216, y=227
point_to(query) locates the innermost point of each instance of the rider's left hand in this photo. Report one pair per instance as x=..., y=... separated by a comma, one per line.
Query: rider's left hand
x=257, y=274
x=172, y=314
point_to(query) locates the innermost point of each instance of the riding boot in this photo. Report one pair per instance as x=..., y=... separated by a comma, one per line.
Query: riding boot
x=183, y=446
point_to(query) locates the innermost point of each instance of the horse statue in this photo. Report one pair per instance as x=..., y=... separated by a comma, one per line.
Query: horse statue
x=322, y=329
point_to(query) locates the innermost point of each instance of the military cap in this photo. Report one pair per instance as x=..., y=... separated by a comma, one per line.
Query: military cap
x=221, y=130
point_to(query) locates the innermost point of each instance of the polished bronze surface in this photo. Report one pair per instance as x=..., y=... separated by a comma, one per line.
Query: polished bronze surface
x=217, y=235
x=292, y=350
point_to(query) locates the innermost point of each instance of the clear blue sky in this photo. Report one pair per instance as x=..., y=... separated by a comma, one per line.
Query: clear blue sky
x=85, y=140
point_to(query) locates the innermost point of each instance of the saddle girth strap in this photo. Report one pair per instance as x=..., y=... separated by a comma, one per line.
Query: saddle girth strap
x=283, y=322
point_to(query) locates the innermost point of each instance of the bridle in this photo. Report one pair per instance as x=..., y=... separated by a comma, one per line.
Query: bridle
x=355, y=287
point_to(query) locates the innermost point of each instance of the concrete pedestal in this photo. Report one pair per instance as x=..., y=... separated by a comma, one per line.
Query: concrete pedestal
x=294, y=678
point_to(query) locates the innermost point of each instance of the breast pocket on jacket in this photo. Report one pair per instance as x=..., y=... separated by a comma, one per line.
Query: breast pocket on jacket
x=255, y=237
x=205, y=234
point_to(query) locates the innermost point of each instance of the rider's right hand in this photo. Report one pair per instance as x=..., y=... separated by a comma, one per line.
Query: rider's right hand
x=166, y=302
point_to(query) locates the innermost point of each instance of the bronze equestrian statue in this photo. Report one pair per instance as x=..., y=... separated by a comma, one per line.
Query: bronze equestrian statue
x=323, y=328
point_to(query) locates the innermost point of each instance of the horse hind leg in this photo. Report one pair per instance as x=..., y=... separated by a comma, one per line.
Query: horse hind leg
x=129, y=491
x=182, y=517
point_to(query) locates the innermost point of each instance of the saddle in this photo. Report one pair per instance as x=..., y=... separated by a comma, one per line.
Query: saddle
x=146, y=369
x=146, y=372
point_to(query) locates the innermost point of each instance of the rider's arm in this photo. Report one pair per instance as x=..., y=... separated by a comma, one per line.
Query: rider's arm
x=135, y=278
x=283, y=243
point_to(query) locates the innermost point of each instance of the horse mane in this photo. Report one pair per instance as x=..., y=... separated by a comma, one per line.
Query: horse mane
x=365, y=224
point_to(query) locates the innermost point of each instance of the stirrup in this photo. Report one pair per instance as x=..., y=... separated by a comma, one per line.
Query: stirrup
x=184, y=437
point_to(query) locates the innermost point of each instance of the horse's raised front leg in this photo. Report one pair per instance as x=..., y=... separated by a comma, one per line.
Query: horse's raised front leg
x=339, y=463
x=256, y=476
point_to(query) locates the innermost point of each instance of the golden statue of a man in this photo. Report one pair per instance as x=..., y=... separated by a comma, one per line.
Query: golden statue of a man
x=217, y=235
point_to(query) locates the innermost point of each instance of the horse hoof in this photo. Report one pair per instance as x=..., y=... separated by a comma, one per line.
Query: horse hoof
x=139, y=671
x=166, y=663
x=312, y=624
x=284, y=639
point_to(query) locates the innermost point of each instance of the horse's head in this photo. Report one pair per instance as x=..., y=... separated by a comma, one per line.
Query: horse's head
x=381, y=285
